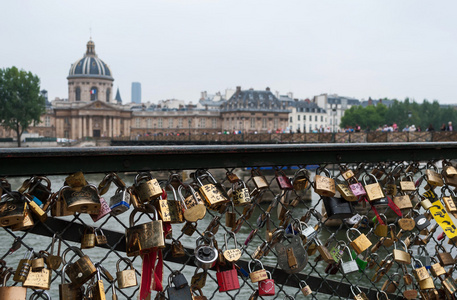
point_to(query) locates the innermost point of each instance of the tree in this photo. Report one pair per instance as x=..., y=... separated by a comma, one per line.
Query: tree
x=20, y=100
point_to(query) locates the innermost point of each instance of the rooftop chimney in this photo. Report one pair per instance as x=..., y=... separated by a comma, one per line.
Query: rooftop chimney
x=268, y=89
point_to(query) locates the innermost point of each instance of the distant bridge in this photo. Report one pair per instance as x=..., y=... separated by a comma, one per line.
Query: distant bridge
x=287, y=138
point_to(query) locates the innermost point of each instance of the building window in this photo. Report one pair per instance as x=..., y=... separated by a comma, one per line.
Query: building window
x=66, y=134
x=78, y=94
x=276, y=124
x=93, y=94
x=252, y=122
x=214, y=123
x=264, y=122
x=202, y=123
x=170, y=122
x=66, y=121
x=149, y=123
x=137, y=122
x=310, y=118
x=290, y=120
x=159, y=123
x=47, y=121
x=108, y=91
x=180, y=123
x=315, y=118
x=322, y=118
x=298, y=117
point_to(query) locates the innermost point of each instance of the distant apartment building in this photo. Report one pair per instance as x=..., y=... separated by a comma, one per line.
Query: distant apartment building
x=306, y=117
x=136, y=92
x=334, y=106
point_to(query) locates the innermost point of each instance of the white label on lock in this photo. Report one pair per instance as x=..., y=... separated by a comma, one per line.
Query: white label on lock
x=309, y=232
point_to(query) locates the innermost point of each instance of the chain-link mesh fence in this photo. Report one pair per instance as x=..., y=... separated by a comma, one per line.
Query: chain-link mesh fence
x=402, y=231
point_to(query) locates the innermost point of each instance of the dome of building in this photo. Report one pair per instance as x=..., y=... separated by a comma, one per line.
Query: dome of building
x=90, y=65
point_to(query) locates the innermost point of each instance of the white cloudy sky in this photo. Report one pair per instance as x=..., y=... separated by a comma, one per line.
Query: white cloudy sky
x=178, y=48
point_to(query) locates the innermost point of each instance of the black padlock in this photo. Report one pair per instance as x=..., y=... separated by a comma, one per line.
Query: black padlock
x=179, y=280
x=338, y=208
x=421, y=222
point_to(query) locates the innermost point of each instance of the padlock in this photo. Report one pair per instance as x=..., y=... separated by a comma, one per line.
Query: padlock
x=227, y=280
x=170, y=210
x=444, y=257
x=407, y=184
x=241, y=195
x=391, y=285
x=424, y=257
x=437, y=269
x=58, y=205
x=300, y=181
x=98, y=289
x=40, y=187
x=432, y=175
x=26, y=223
x=38, y=261
x=406, y=223
x=419, y=271
x=232, y=255
x=210, y=193
x=410, y=294
x=349, y=266
x=81, y=270
x=54, y=261
x=88, y=238
x=448, y=200
x=401, y=256
x=307, y=232
x=200, y=295
x=448, y=169
x=356, y=187
x=258, y=275
x=359, y=295
x=120, y=201
x=178, y=293
x=65, y=291
x=146, y=187
x=283, y=181
x=427, y=284
x=38, y=279
x=105, y=210
x=232, y=177
x=324, y=185
x=35, y=208
x=390, y=188
x=346, y=192
x=82, y=200
x=205, y=252
x=381, y=229
x=189, y=228
x=230, y=216
x=403, y=201
x=146, y=237
x=332, y=268
x=267, y=286
x=259, y=180
x=12, y=209
x=450, y=285
x=361, y=243
x=323, y=251
x=338, y=208
x=23, y=267
x=177, y=249
x=293, y=257
x=125, y=278
x=11, y=292
x=100, y=237
x=425, y=203
x=178, y=279
x=362, y=264
x=304, y=288
x=421, y=221
x=195, y=208
x=198, y=280
x=374, y=190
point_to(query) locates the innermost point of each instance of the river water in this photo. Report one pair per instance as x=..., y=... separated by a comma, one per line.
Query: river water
x=210, y=290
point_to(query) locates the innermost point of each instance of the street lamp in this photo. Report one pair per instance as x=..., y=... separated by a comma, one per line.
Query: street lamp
x=190, y=123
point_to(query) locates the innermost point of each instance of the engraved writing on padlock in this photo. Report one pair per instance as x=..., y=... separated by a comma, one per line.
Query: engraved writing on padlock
x=81, y=270
x=83, y=200
x=232, y=255
x=258, y=275
x=125, y=278
x=227, y=280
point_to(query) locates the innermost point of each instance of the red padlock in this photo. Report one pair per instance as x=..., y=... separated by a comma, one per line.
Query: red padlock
x=227, y=280
x=104, y=210
x=283, y=181
x=267, y=286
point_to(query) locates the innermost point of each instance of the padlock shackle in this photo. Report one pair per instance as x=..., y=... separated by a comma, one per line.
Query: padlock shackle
x=369, y=176
x=231, y=233
x=352, y=229
x=147, y=208
x=126, y=260
x=39, y=293
x=255, y=261
x=74, y=249
x=145, y=175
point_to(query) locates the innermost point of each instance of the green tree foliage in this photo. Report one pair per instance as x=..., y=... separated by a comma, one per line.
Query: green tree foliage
x=20, y=100
x=402, y=113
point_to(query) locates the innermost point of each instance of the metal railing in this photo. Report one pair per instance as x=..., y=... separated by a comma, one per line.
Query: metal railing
x=391, y=159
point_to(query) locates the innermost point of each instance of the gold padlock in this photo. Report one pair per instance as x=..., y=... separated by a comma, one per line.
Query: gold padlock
x=195, y=208
x=401, y=256
x=374, y=190
x=82, y=199
x=209, y=192
x=258, y=275
x=407, y=184
x=39, y=279
x=259, y=180
x=403, y=201
x=88, y=238
x=81, y=270
x=346, y=192
x=126, y=278
x=146, y=187
x=11, y=292
x=12, y=209
x=177, y=249
x=305, y=289
x=427, y=284
x=171, y=210
x=26, y=223
x=361, y=243
x=300, y=181
x=324, y=185
x=432, y=175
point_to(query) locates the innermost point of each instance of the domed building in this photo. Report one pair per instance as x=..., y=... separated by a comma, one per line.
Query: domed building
x=90, y=78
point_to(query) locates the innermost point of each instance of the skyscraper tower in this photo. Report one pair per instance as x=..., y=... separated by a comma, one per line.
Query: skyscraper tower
x=136, y=92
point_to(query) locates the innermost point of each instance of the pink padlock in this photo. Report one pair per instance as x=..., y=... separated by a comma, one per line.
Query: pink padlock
x=356, y=188
x=104, y=210
x=267, y=286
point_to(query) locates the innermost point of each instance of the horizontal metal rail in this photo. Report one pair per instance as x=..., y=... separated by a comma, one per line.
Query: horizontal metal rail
x=35, y=161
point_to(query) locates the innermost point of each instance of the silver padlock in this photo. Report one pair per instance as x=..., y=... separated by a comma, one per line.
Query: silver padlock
x=308, y=231
x=205, y=255
x=120, y=202
x=349, y=266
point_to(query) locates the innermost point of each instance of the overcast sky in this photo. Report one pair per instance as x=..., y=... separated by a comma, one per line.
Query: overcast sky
x=178, y=48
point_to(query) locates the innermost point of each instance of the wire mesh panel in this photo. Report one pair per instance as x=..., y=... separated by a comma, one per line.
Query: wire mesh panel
x=338, y=230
